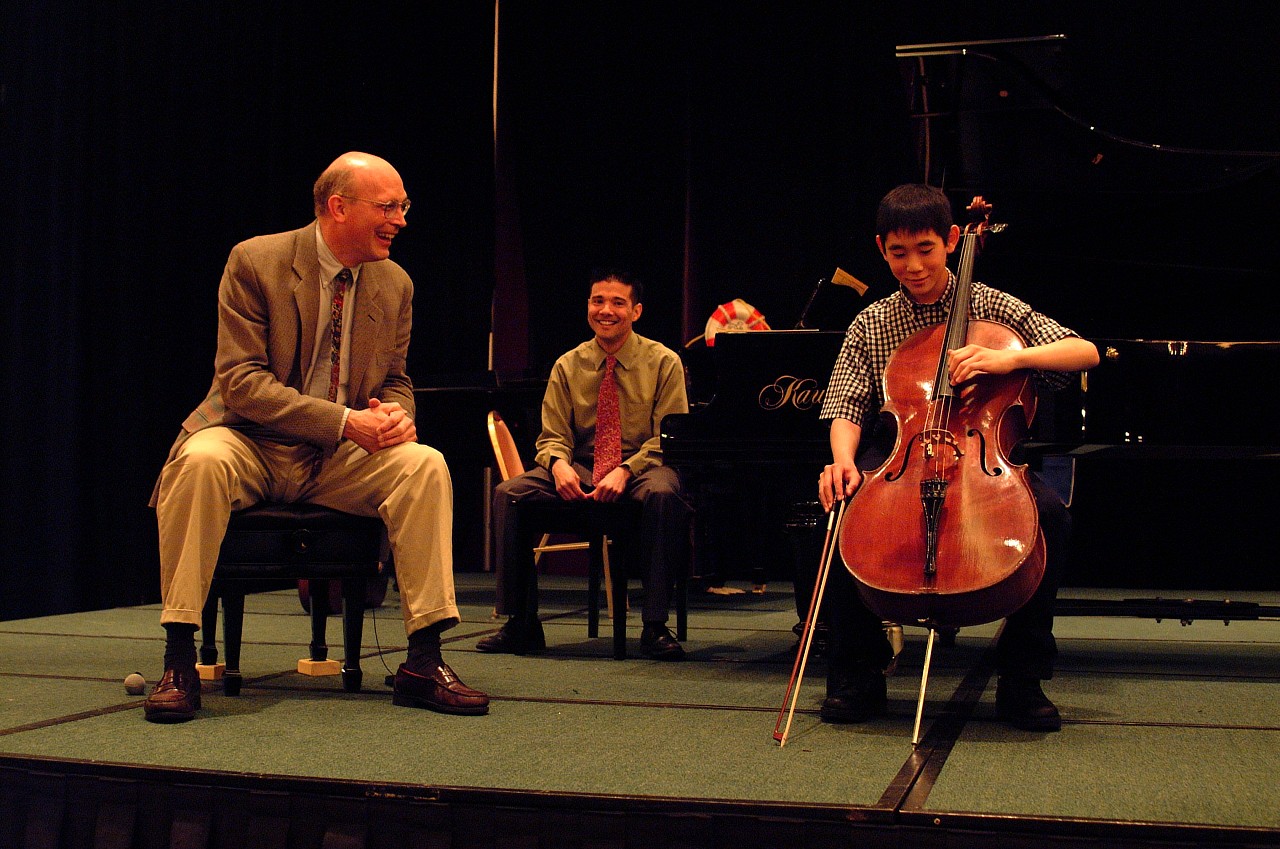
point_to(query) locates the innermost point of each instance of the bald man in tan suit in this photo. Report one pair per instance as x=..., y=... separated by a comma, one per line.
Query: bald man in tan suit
x=293, y=417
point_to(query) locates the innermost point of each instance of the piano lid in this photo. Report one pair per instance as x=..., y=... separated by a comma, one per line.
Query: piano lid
x=1117, y=212
x=1000, y=114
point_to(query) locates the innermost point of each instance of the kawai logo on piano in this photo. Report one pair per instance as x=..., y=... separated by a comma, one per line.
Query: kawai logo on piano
x=803, y=393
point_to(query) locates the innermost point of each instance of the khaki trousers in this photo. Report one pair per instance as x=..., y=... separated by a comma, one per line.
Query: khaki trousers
x=218, y=470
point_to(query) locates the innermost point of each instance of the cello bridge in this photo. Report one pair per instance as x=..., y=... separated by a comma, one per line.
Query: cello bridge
x=934, y=439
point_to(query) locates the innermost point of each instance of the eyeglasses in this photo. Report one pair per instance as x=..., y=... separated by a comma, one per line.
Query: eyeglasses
x=389, y=208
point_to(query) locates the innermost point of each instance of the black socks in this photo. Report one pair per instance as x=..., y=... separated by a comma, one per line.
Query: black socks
x=179, y=645
x=424, y=645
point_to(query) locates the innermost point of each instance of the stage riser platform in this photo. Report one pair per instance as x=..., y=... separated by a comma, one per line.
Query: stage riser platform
x=1171, y=738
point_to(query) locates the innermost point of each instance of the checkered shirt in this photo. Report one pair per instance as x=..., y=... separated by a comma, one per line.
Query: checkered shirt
x=855, y=391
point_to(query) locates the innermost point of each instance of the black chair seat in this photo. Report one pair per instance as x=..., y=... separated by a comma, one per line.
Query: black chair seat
x=291, y=542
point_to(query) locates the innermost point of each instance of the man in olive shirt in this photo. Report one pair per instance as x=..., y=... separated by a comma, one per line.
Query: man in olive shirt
x=649, y=381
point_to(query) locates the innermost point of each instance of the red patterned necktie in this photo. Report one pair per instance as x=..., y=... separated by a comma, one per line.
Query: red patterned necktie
x=608, y=450
x=340, y=284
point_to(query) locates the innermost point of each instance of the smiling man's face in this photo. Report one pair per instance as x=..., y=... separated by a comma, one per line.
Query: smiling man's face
x=611, y=312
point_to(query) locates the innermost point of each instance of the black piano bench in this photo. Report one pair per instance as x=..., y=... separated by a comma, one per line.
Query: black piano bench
x=288, y=542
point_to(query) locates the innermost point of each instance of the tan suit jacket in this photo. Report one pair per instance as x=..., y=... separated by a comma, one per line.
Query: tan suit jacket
x=268, y=307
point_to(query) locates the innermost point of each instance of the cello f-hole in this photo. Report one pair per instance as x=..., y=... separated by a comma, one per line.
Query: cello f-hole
x=890, y=477
x=982, y=440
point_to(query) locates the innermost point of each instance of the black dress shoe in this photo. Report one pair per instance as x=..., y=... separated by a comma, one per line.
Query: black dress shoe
x=517, y=636
x=176, y=698
x=657, y=642
x=818, y=647
x=854, y=695
x=1021, y=703
x=435, y=686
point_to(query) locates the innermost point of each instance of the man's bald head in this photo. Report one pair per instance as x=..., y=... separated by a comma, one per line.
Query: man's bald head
x=345, y=175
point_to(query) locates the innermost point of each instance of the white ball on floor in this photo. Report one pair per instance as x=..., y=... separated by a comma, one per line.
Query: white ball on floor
x=135, y=684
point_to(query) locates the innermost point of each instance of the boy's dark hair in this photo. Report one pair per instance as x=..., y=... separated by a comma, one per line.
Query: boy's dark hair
x=626, y=278
x=914, y=208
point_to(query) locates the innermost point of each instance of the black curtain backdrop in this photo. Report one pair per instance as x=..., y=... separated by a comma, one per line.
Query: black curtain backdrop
x=767, y=131
x=721, y=150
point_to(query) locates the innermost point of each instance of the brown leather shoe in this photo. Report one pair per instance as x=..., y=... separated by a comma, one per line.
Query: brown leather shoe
x=436, y=687
x=176, y=698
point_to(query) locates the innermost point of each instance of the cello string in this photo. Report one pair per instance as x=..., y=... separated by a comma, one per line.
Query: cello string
x=941, y=403
x=937, y=439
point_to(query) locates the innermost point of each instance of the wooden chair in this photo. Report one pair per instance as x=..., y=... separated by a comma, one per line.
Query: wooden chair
x=603, y=525
x=286, y=543
x=509, y=465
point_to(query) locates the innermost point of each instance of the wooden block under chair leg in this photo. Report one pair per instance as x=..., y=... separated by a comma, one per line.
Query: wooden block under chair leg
x=211, y=671
x=307, y=666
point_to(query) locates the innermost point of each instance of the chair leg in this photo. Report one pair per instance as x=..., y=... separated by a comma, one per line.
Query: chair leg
x=353, y=596
x=608, y=576
x=319, y=620
x=208, y=668
x=618, y=604
x=682, y=583
x=233, y=630
x=599, y=551
x=540, y=548
x=209, y=630
x=319, y=663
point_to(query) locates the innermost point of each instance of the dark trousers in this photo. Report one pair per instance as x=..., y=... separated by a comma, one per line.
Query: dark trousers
x=662, y=538
x=1026, y=646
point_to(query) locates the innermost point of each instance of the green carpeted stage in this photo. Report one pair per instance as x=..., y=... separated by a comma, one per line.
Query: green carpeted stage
x=1171, y=738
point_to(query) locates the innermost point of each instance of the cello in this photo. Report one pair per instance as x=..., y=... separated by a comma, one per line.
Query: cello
x=945, y=533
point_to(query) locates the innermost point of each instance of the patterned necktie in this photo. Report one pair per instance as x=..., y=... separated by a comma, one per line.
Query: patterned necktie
x=340, y=284
x=608, y=451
